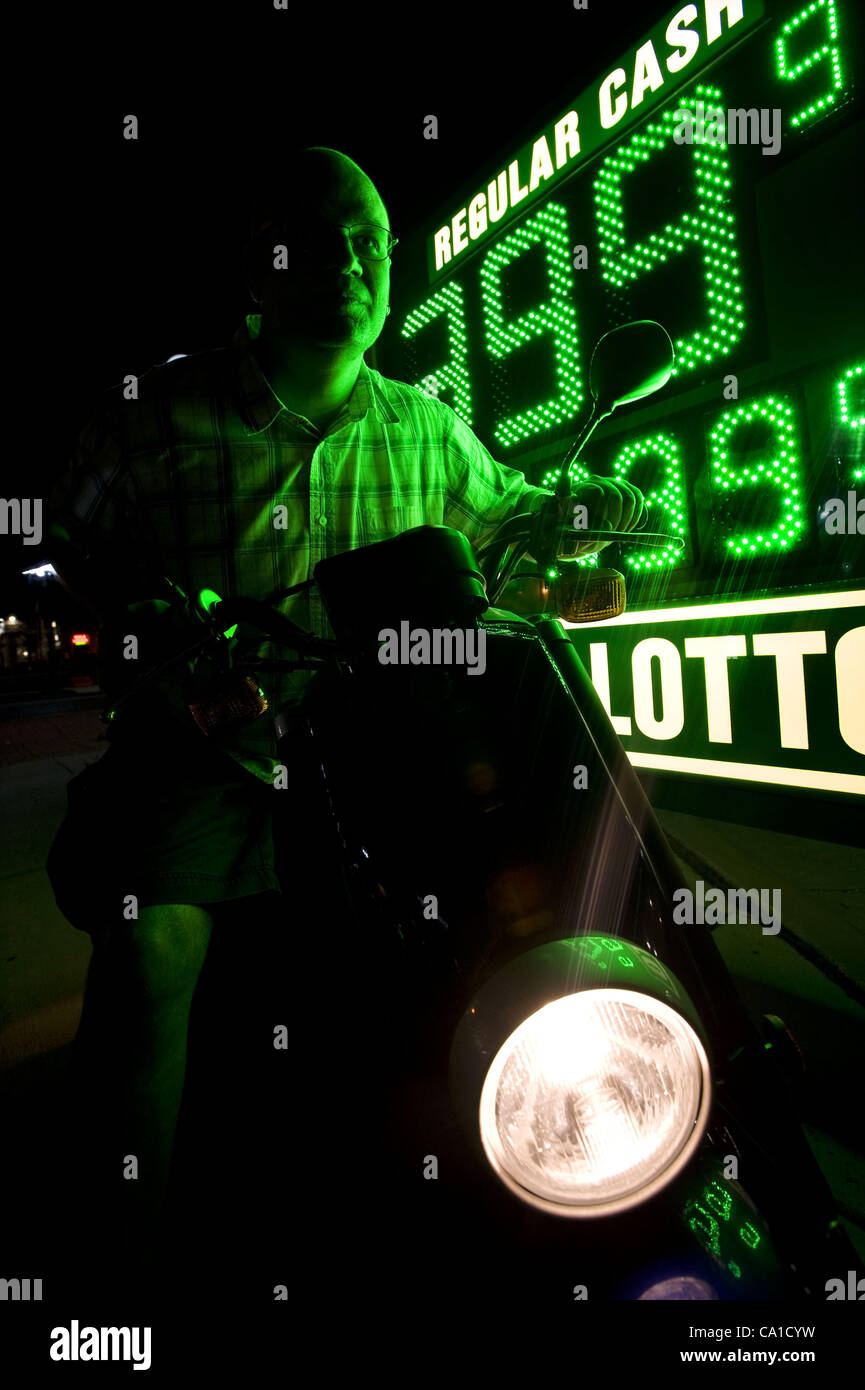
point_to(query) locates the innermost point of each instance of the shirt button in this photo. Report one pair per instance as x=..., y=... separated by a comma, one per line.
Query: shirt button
x=322, y=521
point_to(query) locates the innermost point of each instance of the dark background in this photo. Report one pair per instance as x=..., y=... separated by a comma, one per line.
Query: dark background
x=129, y=251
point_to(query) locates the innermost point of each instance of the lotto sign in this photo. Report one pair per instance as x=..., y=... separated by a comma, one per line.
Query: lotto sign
x=767, y=690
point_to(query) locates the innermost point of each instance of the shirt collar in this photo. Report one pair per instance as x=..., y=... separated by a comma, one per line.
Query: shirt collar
x=259, y=405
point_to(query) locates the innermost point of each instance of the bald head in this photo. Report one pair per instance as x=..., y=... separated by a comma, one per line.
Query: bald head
x=313, y=282
x=314, y=179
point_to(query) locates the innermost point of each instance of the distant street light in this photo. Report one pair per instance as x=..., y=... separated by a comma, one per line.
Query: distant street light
x=42, y=572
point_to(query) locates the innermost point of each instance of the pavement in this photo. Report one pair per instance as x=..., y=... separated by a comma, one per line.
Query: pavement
x=812, y=974
x=42, y=959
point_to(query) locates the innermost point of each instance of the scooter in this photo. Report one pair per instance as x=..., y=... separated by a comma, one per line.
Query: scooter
x=504, y=1013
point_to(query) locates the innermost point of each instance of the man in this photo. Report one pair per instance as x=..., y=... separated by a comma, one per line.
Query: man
x=187, y=477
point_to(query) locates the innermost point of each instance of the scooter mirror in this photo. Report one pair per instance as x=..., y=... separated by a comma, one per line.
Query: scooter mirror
x=629, y=363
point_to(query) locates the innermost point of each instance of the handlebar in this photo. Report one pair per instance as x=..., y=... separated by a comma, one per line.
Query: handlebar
x=215, y=622
x=259, y=614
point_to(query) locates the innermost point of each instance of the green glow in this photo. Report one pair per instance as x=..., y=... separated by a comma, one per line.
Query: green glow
x=704, y=1227
x=751, y=772
x=709, y=226
x=750, y=1236
x=827, y=51
x=577, y=474
x=669, y=495
x=556, y=316
x=854, y=421
x=615, y=947
x=781, y=472
x=150, y=605
x=718, y=1216
x=453, y=374
x=737, y=608
x=592, y=946
x=208, y=599
x=718, y=1199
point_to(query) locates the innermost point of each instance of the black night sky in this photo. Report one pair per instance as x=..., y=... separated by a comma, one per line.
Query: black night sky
x=130, y=251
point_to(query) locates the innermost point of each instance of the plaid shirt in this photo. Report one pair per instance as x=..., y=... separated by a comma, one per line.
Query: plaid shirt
x=183, y=481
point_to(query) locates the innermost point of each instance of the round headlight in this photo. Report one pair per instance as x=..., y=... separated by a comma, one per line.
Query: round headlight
x=595, y=1102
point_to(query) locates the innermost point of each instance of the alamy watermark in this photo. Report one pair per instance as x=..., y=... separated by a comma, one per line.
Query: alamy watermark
x=737, y=905
x=438, y=646
x=852, y=1289
x=841, y=516
x=75, y=1343
x=22, y=516
x=21, y=1290
x=737, y=126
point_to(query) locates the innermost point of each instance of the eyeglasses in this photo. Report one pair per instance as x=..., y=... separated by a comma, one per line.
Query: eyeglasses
x=368, y=241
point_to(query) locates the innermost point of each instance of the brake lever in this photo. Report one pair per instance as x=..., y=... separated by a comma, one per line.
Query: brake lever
x=658, y=538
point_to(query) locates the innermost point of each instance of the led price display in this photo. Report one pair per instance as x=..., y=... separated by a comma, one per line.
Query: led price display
x=689, y=185
x=709, y=180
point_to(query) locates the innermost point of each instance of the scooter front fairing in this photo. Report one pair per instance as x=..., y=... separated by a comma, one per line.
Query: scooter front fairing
x=498, y=855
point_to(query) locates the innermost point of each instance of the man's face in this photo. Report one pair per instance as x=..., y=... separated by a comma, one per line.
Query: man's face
x=328, y=296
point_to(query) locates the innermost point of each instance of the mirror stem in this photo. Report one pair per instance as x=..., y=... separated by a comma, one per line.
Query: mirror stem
x=596, y=415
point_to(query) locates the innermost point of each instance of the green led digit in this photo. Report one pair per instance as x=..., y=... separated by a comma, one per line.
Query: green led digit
x=556, y=316
x=669, y=494
x=852, y=410
x=577, y=474
x=849, y=416
x=453, y=374
x=718, y=1199
x=591, y=946
x=734, y=1270
x=709, y=225
x=780, y=471
x=827, y=52
x=749, y=1236
x=704, y=1227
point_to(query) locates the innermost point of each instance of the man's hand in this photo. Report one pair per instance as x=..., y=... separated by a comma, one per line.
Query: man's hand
x=600, y=504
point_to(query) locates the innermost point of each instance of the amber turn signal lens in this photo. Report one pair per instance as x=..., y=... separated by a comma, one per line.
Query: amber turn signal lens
x=581, y=595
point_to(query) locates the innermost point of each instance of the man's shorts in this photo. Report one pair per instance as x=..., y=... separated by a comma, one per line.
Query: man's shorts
x=170, y=820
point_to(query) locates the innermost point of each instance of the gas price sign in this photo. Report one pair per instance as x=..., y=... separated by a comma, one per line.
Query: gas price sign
x=710, y=180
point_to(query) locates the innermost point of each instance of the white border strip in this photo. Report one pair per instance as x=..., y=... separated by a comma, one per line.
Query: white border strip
x=753, y=772
x=737, y=608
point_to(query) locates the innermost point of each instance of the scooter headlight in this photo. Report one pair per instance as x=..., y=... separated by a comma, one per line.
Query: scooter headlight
x=597, y=1098
x=592, y=1100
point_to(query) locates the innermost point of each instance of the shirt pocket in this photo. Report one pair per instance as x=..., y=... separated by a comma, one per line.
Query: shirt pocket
x=382, y=523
